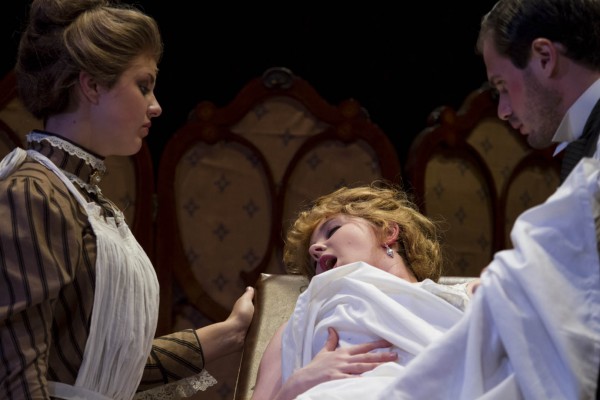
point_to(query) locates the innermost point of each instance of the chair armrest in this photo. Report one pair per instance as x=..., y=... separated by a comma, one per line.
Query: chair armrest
x=274, y=300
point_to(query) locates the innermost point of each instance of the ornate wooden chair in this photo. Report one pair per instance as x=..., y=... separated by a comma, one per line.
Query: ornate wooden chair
x=232, y=178
x=475, y=173
x=129, y=181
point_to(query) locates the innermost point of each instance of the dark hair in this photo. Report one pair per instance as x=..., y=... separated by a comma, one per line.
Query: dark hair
x=514, y=24
x=65, y=37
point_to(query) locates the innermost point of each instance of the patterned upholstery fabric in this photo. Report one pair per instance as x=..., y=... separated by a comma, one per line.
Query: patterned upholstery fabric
x=233, y=178
x=228, y=194
x=474, y=173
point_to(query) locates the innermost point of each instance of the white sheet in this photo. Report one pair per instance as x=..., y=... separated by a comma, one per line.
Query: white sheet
x=532, y=330
x=365, y=303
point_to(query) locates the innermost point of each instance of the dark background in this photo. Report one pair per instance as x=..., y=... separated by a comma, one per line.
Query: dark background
x=398, y=61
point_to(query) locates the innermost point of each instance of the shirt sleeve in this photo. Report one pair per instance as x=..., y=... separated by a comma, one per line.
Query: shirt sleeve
x=173, y=357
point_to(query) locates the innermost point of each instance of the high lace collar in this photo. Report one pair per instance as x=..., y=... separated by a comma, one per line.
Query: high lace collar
x=80, y=165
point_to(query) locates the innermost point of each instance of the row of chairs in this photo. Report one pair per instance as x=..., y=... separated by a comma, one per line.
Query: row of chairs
x=232, y=178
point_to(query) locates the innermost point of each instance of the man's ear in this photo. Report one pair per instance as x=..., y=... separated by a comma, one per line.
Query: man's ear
x=544, y=56
x=392, y=233
x=88, y=87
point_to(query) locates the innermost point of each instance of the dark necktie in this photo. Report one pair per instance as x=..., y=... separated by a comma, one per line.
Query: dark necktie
x=585, y=146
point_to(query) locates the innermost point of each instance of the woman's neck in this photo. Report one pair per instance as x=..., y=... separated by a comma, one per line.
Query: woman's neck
x=72, y=126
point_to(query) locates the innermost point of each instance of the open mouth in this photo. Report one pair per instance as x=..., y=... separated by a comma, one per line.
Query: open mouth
x=327, y=262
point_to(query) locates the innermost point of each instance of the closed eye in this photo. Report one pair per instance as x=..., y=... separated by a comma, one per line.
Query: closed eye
x=331, y=231
x=146, y=85
x=144, y=89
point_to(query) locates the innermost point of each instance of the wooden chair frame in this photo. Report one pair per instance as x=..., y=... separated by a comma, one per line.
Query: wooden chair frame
x=447, y=132
x=209, y=124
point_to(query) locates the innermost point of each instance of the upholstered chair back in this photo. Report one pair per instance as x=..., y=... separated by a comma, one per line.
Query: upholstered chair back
x=232, y=178
x=475, y=174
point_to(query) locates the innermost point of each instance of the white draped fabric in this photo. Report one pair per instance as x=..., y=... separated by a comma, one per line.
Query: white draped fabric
x=364, y=304
x=532, y=330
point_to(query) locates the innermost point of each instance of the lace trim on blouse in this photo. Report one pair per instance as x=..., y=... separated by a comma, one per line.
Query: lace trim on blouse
x=94, y=162
x=94, y=189
x=180, y=389
x=97, y=165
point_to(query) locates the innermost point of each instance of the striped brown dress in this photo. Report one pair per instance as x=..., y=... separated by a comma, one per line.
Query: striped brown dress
x=47, y=271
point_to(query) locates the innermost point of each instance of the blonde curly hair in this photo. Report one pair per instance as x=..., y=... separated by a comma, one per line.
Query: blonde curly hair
x=382, y=204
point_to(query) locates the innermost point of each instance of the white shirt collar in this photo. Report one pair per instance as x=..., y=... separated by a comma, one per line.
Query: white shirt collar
x=572, y=124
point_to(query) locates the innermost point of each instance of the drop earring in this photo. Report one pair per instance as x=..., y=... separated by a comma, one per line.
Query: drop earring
x=389, y=251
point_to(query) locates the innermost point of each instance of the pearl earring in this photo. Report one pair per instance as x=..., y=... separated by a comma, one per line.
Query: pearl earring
x=389, y=251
